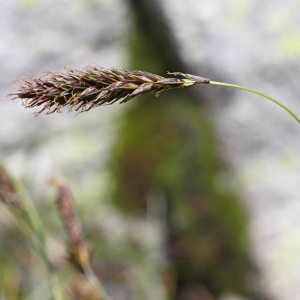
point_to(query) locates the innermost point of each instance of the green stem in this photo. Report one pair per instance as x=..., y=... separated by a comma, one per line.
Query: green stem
x=258, y=93
x=32, y=226
x=94, y=280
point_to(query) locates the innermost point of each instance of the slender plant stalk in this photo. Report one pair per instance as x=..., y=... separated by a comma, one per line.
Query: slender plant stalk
x=95, y=86
x=258, y=93
x=89, y=273
x=79, y=254
x=29, y=222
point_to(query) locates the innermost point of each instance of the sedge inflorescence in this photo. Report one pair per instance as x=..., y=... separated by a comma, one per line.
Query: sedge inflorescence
x=93, y=86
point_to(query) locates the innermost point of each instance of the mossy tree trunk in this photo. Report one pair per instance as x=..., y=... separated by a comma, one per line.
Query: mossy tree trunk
x=167, y=145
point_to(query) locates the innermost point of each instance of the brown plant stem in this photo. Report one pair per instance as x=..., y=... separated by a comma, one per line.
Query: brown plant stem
x=79, y=254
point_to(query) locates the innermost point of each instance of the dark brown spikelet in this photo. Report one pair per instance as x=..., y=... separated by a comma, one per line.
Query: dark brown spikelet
x=93, y=86
x=9, y=194
x=78, y=252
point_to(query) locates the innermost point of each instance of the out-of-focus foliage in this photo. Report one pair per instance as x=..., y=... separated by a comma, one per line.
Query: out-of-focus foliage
x=30, y=270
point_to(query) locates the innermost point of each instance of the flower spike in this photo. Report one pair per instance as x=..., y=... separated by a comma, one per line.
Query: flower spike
x=94, y=86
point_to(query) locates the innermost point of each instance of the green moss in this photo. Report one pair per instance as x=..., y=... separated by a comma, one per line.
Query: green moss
x=168, y=145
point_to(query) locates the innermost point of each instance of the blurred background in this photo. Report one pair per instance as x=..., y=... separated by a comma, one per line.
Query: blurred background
x=191, y=195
